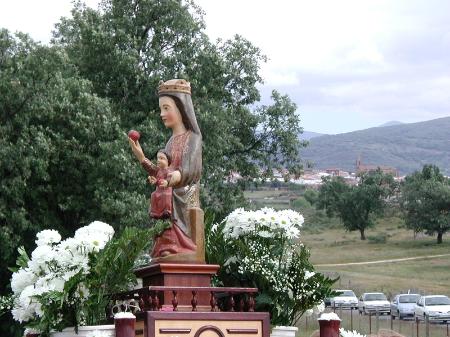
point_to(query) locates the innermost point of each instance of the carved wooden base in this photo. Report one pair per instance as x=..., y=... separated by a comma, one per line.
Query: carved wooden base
x=203, y=324
x=179, y=275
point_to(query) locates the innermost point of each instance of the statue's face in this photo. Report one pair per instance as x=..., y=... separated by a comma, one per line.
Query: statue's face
x=170, y=114
x=161, y=160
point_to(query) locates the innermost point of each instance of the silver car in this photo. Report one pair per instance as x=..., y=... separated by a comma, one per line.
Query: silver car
x=346, y=299
x=433, y=307
x=403, y=305
x=370, y=303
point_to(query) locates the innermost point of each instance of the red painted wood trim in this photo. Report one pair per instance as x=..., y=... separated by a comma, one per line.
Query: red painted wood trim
x=180, y=331
x=243, y=331
x=204, y=289
x=177, y=268
x=209, y=328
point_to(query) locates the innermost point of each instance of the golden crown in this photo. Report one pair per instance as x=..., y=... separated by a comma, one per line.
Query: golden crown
x=176, y=85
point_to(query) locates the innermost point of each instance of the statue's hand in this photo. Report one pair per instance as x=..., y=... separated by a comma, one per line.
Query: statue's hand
x=137, y=150
x=174, y=178
x=152, y=180
x=163, y=183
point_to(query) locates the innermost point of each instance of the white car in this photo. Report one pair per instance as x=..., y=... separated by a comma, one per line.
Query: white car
x=346, y=300
x=403, y=305
x=370, y=303
x=433, y=307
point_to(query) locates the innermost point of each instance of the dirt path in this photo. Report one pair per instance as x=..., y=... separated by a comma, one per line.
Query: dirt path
x=380, y=261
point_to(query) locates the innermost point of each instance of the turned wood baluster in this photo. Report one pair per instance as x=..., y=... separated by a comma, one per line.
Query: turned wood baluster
x=147, y=301
x=142, y=304
x=194, y=300
x=153, y=299
x=241, y=304
x=174, y=301
x=231, y=302
x=251, y=303
x=157, y=303
x=213, y=301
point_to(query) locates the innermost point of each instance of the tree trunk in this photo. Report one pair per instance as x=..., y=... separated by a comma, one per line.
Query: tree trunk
x=363, y=235
x=439, y=237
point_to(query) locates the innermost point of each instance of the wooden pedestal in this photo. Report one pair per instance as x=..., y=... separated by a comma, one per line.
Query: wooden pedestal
x=179, y=275
x=203, y=324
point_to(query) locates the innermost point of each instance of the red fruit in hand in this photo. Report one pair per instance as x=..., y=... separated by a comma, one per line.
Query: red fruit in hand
x=133, y=134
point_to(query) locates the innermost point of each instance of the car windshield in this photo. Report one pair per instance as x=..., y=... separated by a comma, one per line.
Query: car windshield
x=408, y=298
x=374, y=297
x=347, y=293
x=437, y=301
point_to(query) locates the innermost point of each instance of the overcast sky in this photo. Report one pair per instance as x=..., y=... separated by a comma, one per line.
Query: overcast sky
x=347, y=64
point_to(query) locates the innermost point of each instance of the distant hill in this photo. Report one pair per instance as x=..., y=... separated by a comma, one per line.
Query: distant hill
x=405, y=146
x=391, y=123
x=307, y=135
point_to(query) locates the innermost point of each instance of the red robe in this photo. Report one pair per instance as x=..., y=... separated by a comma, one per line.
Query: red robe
x=173, y=240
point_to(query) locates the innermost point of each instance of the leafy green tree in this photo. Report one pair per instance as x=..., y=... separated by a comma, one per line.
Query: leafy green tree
x=425, y=201
x=357, y=206
x=126, y=47
x=311, y=196
x=62, y=159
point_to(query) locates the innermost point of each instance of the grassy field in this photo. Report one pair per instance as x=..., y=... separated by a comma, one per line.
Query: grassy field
x=331, y=244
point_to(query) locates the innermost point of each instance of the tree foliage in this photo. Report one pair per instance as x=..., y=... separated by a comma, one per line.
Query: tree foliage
x=425, y=201
x=357, y=206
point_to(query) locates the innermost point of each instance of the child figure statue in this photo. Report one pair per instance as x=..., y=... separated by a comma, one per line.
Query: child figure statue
x=159, y=174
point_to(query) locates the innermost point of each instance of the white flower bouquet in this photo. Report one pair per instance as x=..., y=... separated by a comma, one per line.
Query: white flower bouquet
x=68, y=283
x=262, y=249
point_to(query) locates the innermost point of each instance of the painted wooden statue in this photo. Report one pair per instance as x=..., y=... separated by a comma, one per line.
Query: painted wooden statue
x=183, y=153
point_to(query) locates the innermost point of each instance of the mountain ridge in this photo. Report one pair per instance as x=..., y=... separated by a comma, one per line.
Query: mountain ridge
x=407, y=147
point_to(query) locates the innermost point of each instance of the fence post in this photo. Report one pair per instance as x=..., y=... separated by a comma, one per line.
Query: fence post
x=370, y=324
x=427, y=326
x=392, y=321
x=417, y=326
x=351, y=318
x=378, y=321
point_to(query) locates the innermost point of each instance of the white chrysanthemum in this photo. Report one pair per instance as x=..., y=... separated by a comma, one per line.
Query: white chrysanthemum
x=24, y=305
x=348, y=333
x=94, y=236
x=329, y=316
x=265, y=222
x=309, y=274
x=99, y=333
x=319, y=308
x=21, y=279
x=47, y=237
x=39, y=258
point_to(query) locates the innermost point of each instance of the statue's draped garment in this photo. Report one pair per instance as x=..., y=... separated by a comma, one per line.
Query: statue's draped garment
x=185, y=151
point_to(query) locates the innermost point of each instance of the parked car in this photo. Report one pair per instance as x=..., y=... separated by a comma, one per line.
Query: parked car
x=434, y=307
x=370, y=303
x=403, y=305
x=346, y=300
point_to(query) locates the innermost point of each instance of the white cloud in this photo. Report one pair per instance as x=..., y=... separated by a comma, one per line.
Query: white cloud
x=366, y=61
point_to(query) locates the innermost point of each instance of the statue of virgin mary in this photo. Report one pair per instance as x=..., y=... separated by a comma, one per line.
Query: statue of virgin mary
x=185, y=150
